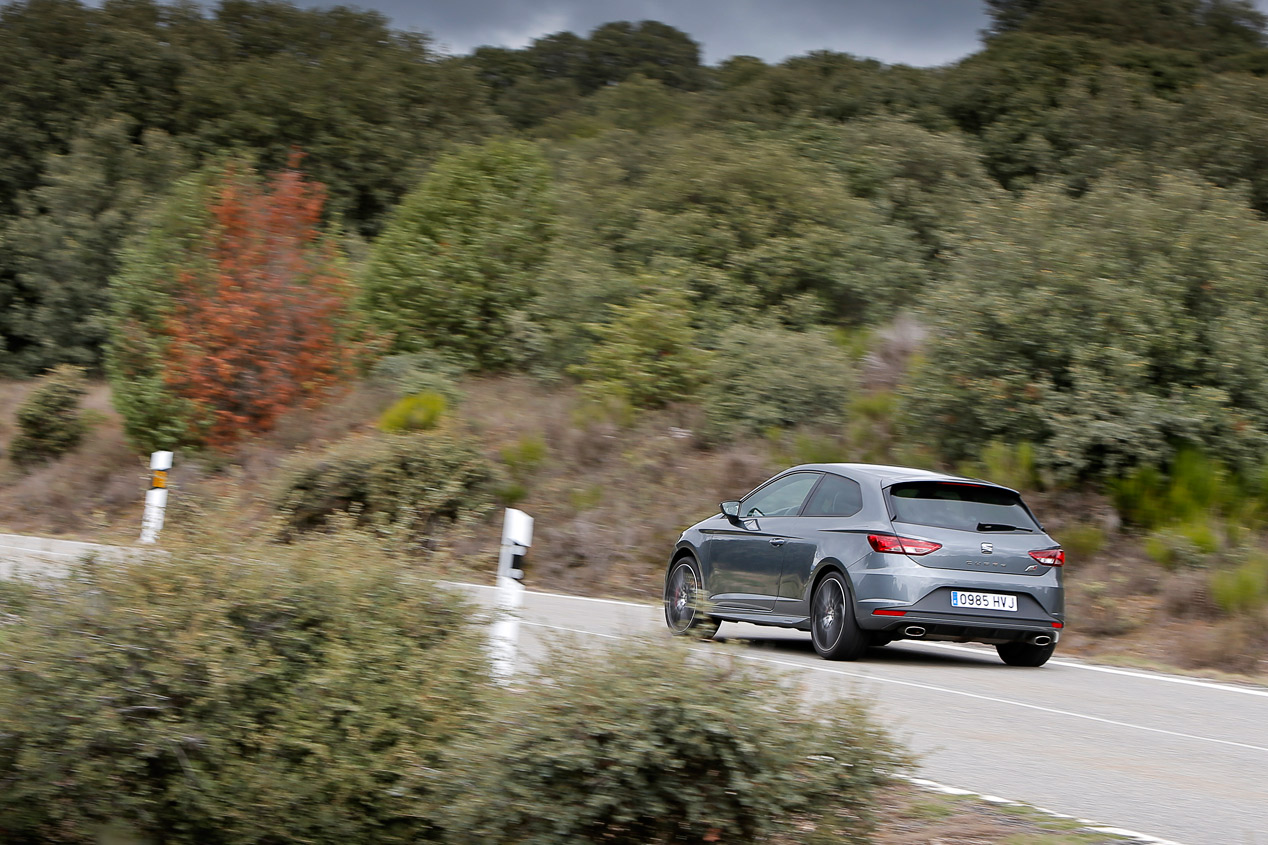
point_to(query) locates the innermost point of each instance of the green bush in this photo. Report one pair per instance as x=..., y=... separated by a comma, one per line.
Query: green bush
x=420, y=482
x=1194, y=488
x=1174, y=548
x=460, y=257
x=1003, y=463
x=1082, y=540
x=1088, y=328
x=420, y=412
x=646, y=355
x=235, y=695
x=1243, y=589
x=658, y=747
x=525, y=456
x=49, y=422
x=763, y=379
x=419, y=372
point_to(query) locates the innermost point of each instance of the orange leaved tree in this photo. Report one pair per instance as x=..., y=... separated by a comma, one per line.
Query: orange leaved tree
x=231, y=309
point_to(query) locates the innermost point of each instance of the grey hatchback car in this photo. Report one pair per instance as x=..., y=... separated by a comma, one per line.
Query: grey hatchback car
x=861, y=555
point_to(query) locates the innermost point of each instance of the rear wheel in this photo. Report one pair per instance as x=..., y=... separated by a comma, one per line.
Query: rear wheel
x=684, y=599
x=836, y=634
x=1025, y=654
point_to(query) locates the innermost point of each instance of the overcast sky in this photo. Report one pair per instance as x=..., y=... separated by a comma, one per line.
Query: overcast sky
x=918, y=32
x=915, y=32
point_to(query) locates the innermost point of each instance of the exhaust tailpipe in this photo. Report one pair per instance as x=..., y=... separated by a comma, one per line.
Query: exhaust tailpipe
x=914, y=631
x=1041, y=639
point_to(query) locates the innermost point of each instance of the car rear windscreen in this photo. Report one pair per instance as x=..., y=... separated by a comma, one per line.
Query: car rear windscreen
x=968, y=507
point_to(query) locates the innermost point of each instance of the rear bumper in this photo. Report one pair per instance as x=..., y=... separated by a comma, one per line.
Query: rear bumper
x=960, y=628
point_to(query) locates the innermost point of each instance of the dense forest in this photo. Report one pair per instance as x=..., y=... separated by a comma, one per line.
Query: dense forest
x=1073, y=215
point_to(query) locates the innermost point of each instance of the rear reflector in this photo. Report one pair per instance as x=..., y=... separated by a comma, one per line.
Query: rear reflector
x=883, y=612
x=1057, y=625
x=891, y=544
x=1050, y=557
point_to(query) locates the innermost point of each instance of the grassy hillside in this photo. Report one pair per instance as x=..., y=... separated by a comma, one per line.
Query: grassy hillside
x=610, y=497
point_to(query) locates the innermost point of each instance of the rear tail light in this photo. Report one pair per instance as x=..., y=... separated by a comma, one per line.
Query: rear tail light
x=892, y=544
x=1050, y=557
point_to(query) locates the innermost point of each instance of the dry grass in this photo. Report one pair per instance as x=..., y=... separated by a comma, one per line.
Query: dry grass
x=609, y=501
x=97, y=490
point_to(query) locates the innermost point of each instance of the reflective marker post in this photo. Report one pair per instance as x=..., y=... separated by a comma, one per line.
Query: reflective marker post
x=155, y=497
x=517, y=536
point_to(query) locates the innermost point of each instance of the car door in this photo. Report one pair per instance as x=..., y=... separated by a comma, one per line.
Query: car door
x=823, y=528
x=746, y=555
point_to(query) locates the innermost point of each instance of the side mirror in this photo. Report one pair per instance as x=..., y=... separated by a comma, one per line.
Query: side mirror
x=731, y=510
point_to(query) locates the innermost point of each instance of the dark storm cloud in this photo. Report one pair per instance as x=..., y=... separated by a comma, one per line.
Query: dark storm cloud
x=917, y=32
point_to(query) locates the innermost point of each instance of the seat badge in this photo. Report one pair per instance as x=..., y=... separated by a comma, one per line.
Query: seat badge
x=988, y=548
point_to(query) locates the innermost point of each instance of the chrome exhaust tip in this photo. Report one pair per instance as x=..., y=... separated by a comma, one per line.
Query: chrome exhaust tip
x=1041, y=639
x=914, y=631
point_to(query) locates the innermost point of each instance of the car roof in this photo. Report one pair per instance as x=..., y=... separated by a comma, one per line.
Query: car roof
x=885, y=475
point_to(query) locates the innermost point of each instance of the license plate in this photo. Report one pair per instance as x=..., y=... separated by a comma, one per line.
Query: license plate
x=984, y=601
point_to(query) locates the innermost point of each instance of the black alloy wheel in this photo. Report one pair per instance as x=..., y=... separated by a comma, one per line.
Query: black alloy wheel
x=833, y=629
x=683, y=599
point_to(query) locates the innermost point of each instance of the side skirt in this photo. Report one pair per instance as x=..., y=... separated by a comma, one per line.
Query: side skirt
x=801, y=623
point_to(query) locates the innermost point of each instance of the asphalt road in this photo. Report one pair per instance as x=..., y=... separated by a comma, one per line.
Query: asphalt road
x=1177, y=758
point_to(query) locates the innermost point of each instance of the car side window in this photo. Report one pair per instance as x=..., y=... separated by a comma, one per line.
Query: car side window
x=835, y=496
x=782, y=497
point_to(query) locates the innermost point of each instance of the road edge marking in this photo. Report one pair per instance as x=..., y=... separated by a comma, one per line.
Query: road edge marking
x=1072, y=663
x=1088, y=824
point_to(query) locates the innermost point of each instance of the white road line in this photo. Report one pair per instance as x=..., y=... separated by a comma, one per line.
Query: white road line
x=993, y=699
x=933, y=688
x=560, y=595
x=42, y=552
x=1112, y=670
x=1096, y=827
x=570, y=630
x=1149, y=676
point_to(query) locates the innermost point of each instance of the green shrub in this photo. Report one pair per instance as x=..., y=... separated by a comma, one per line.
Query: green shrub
x=1085, y=326
x=234, y=694
x=767, y=378
x=420, y=412
x=646, y=355
x=1082, y=540
x=420, y=482
x=658, y=747
x=460, y=258
x=1173, y=549
x=870, y=426
x=1243, y=589
x=419, y=372
x=49, y=421
x=1194, y=488
x=525, y=456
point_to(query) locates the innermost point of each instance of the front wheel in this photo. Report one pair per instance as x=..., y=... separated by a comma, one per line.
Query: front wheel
x=836, y=634
x=1025, y=654
x=683, y=601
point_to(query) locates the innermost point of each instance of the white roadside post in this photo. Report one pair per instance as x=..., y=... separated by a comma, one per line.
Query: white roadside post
x=155, y=497
x=517, y=536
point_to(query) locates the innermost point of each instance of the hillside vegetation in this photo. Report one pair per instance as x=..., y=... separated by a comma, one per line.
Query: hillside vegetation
x=597, y=278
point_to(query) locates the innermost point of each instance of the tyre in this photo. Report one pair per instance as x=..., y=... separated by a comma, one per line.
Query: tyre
x=833, y=629
x=684, y=599
x=1025, y=654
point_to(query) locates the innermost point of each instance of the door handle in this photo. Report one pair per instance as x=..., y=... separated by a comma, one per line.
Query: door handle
x=778, y=541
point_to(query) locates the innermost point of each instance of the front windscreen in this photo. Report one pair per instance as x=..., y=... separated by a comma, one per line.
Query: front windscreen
x=968, y=507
